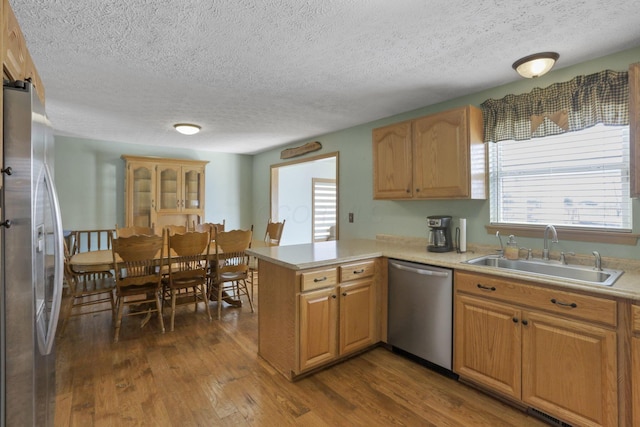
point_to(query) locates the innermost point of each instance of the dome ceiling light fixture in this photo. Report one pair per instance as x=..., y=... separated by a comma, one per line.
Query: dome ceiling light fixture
x=187, y=128
x=535, y=65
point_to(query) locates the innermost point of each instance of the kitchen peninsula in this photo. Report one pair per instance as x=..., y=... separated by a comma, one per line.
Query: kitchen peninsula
x=324, y=302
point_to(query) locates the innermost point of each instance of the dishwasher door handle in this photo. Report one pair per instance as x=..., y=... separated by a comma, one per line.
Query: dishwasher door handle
x=420, y=271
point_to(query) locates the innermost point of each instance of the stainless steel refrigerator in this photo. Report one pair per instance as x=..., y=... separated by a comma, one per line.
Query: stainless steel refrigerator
x=32, y=262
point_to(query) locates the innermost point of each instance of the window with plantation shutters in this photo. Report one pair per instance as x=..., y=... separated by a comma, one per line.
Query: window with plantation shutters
x=576, y=179
x=324, y=208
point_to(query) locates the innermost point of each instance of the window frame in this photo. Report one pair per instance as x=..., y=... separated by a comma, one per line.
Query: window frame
x=586, y=235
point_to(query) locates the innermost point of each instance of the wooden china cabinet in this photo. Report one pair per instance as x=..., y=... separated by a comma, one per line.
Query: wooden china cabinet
x=160, y=192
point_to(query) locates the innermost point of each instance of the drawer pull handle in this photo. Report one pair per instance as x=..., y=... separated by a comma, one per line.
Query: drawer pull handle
x=358, y=271
x=486, y=288
x=564, y=304
x=320, y=279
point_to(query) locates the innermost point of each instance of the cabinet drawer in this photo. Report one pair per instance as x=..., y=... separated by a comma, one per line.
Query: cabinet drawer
x=562, y=302
x=356, y=271
x=635, y=314
x=318, y=279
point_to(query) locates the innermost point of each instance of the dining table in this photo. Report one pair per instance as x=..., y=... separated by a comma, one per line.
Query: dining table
x=102, y=260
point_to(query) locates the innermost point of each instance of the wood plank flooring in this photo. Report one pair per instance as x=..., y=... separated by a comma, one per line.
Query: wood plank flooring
x=208, y=374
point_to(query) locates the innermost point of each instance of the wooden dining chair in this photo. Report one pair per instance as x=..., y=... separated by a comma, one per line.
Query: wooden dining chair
x=91, y=240
x=133, y=230
x=188, y=263
x=272, y=236
x=231, y=267
x=88, y=292
x=175, y=229
x=209, y=226
x=137, y=262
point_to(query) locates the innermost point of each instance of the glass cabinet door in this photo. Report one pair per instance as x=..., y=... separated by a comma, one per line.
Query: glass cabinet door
x=192, y=188
x=142, y=198
x=169, y=188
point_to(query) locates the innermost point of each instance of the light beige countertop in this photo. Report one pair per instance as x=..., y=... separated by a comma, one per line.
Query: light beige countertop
x=314, y=255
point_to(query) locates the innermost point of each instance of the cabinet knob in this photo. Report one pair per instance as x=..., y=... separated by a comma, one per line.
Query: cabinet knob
x=344, y=294
x=525, y=322
x=334, y=296
x=6, y=223
x=515, y=320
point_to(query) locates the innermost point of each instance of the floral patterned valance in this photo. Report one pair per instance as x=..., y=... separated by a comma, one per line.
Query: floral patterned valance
x=577, y=104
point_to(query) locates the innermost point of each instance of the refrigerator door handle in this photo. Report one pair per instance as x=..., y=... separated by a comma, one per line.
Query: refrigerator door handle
x=50, y=334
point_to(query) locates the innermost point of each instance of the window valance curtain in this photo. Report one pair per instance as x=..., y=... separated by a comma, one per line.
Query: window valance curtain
x=577, y=104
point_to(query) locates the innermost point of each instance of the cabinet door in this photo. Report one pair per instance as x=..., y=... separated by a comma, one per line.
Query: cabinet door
x=392, y=174
x=635, y=365
x=30, y=73
x=569, y=370
x=192, y=189
x=140, y=195
x=15, y=46
x=487, y=344
x=357, y=316
x=318, y=324
x=169, y=188
x=441, y=155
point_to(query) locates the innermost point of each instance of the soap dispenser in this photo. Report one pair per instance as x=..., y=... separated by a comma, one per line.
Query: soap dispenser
x=511, y=251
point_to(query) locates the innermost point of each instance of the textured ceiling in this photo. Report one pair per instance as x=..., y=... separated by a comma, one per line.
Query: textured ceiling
x=263, y=73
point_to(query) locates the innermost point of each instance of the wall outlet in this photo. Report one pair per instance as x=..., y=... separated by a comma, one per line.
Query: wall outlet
x=350, y=216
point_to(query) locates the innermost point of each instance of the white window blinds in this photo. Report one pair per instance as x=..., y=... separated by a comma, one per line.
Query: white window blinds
x=577, y=179
x=324, y=208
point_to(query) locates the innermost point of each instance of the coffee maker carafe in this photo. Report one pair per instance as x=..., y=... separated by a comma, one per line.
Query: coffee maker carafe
x=439, y=233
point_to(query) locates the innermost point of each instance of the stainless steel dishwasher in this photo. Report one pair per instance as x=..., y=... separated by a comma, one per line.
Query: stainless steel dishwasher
x=421, y=311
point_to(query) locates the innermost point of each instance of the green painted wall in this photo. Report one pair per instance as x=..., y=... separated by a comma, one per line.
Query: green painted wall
x=90, y=178
x=408, y=218
x=90, y=182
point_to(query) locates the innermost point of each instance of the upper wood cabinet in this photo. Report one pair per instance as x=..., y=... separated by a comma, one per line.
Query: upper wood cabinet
x=440, y=156
x=17, y=62
x=634, y=127
x=160, y=192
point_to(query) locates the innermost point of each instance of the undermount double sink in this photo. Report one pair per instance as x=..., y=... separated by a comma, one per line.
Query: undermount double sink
x=604, y=277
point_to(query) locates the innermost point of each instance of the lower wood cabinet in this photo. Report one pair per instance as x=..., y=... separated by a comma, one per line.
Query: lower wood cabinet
x=635, y=364
x=339, y=319
x=549, y=350
x=311, y=318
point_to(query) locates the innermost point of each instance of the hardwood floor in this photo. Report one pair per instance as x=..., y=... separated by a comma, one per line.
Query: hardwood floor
x=208, y=374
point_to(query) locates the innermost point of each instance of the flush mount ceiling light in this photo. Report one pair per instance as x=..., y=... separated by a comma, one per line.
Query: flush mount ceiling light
x=187, y=128
x=535, y=65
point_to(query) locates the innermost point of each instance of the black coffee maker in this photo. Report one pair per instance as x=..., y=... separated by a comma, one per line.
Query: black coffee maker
x=439, y=233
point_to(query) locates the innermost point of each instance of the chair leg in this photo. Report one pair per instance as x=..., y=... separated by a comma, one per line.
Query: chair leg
x=159, y=308
x=113, y=306
x=244, y=282
x=120, y=305
x=220, y=286
x=173, y=307
x=205, y=300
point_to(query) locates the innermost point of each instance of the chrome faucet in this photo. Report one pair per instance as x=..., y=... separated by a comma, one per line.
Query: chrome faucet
x=554, y=239
x=598, y=260
x=501, y=245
